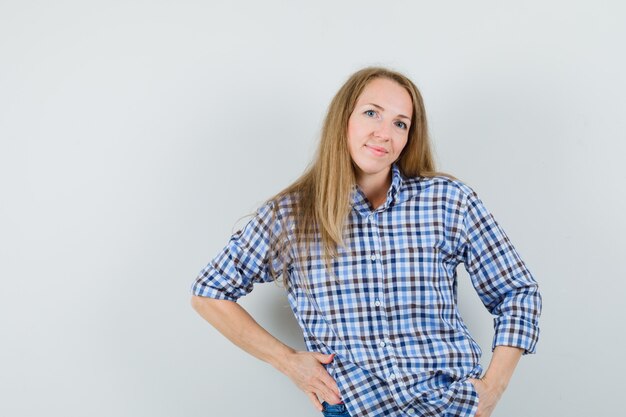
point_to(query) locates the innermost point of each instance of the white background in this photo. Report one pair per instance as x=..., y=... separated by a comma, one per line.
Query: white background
x=135, y=134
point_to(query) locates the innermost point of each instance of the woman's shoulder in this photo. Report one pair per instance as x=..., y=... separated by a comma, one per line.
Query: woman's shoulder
x=438, y=184
x=283, y=204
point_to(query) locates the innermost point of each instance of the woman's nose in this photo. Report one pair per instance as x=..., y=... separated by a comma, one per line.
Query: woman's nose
x=383, y=131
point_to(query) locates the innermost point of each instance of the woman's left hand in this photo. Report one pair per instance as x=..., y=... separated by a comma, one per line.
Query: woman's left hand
x=488, y=396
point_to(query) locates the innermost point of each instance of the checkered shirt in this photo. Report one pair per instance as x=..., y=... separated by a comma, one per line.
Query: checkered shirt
x=401, y=347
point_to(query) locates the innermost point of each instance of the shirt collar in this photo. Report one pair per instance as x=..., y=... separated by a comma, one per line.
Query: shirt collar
x=359, y=201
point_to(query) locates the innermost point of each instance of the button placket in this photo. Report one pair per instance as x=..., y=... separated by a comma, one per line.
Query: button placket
x=377, y=268
x=393, y=376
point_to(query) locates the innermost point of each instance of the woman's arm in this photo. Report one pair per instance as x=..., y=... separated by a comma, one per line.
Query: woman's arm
x=492, y=385
x=302, y=367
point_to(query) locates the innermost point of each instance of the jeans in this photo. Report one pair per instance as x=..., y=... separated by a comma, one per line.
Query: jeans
x=334, y=410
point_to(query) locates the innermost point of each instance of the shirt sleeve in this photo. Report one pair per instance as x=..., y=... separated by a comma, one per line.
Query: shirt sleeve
x=232, y=273
x=503, y=282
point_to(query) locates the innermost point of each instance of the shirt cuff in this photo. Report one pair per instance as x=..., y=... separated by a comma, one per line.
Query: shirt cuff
x=516, y=332
x=200, y=288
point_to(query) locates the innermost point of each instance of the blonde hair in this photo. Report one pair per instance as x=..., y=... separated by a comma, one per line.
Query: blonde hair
x=322, y=194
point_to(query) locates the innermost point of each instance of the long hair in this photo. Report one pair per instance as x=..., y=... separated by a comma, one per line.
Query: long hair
x=322, y=194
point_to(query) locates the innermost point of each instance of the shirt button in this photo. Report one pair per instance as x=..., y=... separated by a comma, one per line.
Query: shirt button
x=383, y=344
x=411, y=411
x=373, y=257
x=377, y=303
x=392, y=377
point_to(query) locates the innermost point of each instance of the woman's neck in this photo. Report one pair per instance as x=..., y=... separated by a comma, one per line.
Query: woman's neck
x=375, y=187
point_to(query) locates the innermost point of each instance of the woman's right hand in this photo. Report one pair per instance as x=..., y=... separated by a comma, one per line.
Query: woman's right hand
x=307, y=371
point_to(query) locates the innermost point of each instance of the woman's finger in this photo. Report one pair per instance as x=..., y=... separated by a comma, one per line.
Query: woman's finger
x=331, y=385
x=316, y=402
x=327, y=393
x=323, y=391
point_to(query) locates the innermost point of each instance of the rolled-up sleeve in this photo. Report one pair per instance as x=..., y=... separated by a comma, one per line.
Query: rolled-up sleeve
x=232, y=273
x=503, y=282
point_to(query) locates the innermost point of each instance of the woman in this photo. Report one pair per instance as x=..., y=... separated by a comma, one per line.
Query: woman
x=367, y=242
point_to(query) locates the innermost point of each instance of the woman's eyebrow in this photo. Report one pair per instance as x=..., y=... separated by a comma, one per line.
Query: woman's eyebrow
x=402, y=116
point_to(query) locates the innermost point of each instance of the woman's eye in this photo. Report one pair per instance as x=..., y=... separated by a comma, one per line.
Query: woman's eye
x=370, y=113
x=401, y=125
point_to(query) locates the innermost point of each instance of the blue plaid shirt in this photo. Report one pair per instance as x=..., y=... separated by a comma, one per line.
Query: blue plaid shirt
x=401, y=347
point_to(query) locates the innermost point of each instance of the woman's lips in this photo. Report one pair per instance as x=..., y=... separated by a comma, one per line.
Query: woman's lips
x=376, y=150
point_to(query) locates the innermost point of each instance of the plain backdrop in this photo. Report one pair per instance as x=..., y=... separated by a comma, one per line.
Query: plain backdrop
x=136, y=134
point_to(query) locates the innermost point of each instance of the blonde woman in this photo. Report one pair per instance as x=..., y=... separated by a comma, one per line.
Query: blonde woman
x=367, y=242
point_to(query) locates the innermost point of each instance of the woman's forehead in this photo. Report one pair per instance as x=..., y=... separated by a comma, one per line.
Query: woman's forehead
x=387, y=94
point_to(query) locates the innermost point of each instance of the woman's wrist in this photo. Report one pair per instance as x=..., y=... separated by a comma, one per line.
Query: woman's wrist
x=497, y=383
x=281, y=359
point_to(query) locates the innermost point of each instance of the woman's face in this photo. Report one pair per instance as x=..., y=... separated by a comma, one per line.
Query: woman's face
x=378, y=128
